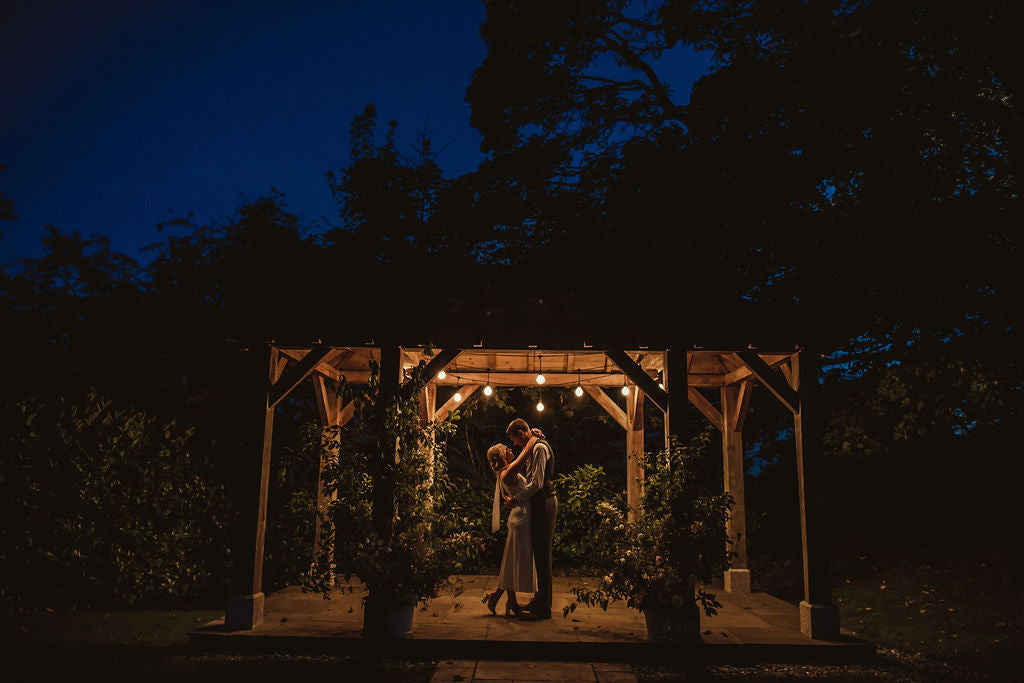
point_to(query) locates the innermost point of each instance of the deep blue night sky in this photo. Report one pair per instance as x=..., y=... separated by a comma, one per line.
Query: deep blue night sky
x=117, y=114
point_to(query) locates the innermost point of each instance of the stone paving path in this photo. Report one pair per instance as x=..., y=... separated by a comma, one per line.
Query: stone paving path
x=467, y=670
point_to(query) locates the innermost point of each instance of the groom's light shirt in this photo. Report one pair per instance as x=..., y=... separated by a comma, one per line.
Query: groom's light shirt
x=535, y=471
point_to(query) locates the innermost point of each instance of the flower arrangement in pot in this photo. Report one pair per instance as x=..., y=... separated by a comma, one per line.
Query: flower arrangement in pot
x=404, y=545
x=676, y=545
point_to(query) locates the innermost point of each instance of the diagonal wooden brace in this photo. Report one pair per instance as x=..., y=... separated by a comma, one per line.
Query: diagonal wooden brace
x=438, y=363
x=639, y=377
x=294, y=375
x=773, y=382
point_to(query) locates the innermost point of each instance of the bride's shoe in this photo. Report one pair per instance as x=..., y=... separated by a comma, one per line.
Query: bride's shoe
x=491, y=600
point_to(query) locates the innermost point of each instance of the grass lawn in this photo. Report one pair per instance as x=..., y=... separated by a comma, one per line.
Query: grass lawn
x=956, y=612
x=143, y=628
x=152, y=645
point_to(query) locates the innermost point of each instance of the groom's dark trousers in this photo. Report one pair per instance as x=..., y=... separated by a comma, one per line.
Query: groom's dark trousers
x=543, y=510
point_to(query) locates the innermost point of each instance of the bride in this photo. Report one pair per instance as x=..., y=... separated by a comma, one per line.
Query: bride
x=517, y=569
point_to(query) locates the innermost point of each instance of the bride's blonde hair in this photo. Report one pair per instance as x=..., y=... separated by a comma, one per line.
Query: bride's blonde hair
x=496, y=458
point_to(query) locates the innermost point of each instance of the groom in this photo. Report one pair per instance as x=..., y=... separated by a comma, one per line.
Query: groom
x=540, y=492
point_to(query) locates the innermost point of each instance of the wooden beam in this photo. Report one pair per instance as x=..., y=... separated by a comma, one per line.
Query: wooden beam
x=773, y=382
x=634, y=453
x=555, y=380
x=787, y=372
x=676, y=380
x=737, y=409
x=439, y=362
x=709, y=381
x=245, y=604
x=294, y=375
x=331, y=372
x=732, y=469
x=639, y=377
x=741, y=371
x=610, y=406
x=451, y=404
x=705, y=407
x=808, y=427
x=346, y=413
x=326, y=398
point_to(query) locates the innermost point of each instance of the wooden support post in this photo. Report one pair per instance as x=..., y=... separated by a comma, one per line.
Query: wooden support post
x=819, y=618
x=244, y=609
x=634, y=451
x=737, y=577
x=428, y=405
x=675, y=375
x=328, y=404
x=375, y=612
x=676, y=389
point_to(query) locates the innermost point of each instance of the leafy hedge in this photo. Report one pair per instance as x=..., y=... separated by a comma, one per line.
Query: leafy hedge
x=106, y=506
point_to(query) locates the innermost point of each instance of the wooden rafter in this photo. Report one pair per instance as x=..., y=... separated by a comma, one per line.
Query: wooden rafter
x=439, y=362
x=772, y=381
x=705, y=407
x=743, y=372
x=639, y=377
x=329, y=371
x=610, y=406
x=294, y=375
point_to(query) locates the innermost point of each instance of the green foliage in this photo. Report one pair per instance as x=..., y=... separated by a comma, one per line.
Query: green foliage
x=391, y=522
x=677, y=539
x=588, y=509
x=105, y=505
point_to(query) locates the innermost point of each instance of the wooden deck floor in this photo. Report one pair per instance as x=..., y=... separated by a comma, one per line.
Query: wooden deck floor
x=754, y=626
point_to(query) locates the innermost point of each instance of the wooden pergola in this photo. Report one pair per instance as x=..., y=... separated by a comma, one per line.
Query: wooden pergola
x=671, y=379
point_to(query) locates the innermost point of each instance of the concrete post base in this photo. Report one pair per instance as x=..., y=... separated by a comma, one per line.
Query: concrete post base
x=244, y=612
x=737, y=581
x=820, y=622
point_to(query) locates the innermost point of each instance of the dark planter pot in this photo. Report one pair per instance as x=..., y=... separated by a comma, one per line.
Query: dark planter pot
x=383, y=619
x=678, y=624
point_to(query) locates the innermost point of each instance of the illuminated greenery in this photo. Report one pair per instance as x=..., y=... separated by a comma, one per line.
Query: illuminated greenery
x=412, y=557
x=677, y=539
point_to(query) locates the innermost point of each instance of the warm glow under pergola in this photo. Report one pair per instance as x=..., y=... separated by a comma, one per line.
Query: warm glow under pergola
x=717, y=382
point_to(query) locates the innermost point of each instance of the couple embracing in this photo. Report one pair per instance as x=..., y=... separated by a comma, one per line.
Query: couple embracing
x=524, y=484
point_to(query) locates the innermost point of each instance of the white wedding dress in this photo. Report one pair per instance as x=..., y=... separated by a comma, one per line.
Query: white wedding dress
x=517, y=571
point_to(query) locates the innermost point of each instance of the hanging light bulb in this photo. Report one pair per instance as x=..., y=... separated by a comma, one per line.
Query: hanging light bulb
x=625, y=390
x=540, y=375
x=487, y=389
x=457, y=396
x=579, y=389
x=442, y=374
x=540, y=406
x=660, y=385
